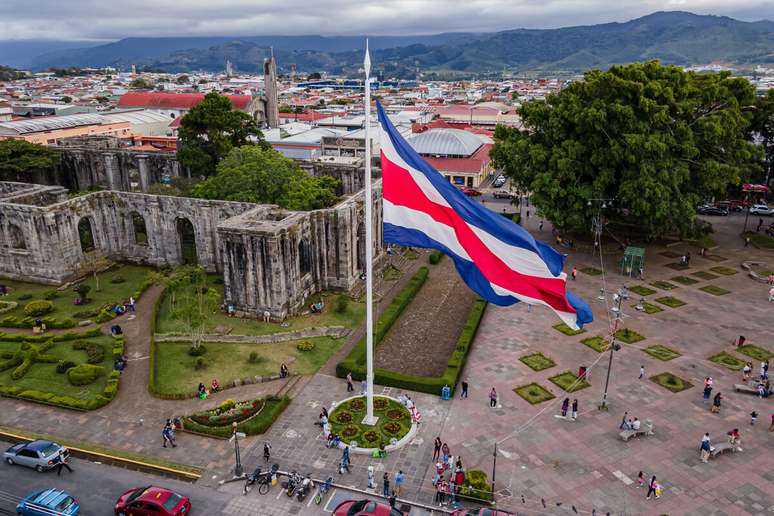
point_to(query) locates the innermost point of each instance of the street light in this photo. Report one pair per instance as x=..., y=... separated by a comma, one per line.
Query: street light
x=614, y=346
x=238, y=471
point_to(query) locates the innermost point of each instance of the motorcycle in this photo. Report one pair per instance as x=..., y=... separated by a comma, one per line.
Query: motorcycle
x=304, y=488
x=290, y=485
x=322, y=490
x=263, y=479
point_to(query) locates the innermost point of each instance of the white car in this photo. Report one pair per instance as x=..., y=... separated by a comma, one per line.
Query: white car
x=761, y=209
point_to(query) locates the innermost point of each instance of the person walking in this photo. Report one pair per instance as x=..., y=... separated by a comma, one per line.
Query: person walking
x=574, y=273
x=439, y=493
x=386, y=484
x=371, y=481
x=716, y=403
x=350, y=387
x=445, y=455
x=62, y=464
x=344, y=460
x=540, y=226
x=565, y=406
x=746, y=371
x=771, y=426
x=131, y=304
x=753, y=417
x=266, y=451
x=642, y=371
x=493, y=398
x=707, y=392
x=575, y=409
x=167, y=436
x=464, y=388
x=624, y=422
x=704, y=449
x=651, y=487
x=640, y=480
x=399, y=478
x=765, y=370
x=436, y=448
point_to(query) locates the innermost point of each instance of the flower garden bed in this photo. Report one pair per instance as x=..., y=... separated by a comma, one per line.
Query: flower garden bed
x=671, y=302
x=728, y=361
x=534, y=393
x=252, y=417
x=662, y=353
x=569, y=381
x=563, y=328
x=671, y=382
x=537, y=361
x=642, y=290
x=394, y=422
x=663, y=285
x=715, y=291
x=628, y=336
x=684, y=280
x=755, y=352
x=597, y=343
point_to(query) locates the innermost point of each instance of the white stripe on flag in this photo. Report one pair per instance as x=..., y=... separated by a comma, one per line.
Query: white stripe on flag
x=421, y=221
x=570, y=319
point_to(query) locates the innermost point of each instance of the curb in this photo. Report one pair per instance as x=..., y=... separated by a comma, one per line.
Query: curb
x=113, y=459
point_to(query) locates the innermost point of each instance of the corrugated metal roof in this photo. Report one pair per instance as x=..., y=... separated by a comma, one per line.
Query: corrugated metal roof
x=446, y=142
x=140, y=116
x=50, y=123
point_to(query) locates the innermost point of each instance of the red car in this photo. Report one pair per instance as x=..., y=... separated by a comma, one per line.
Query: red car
x=152, y=501
x=364, y=508
x=471, y=192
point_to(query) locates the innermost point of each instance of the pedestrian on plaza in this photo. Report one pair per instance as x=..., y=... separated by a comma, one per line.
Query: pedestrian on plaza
x=765, y=370
x=464, y=388
x=493, y=398
x=707, y=392
x=640, y=480
x=62, y=464
x=575, y=409
x=688, y=258
x=392, y=500
x=771, y=426
x=760, y=224
x=540, y=226
x=704, y=449
x=746, y=371
x=131, y=304
x=386, y=484
x=350, y=387
x=651, y=487
x=771, y=294
x=527, y=213
x=266, y=451
x=371, y=482
x=623, y=422
x=747, y=241
x=344, y=460
x=734, y=437
x=436, y=448
x=565, y=406
x=363, y=388
x=753, y=417
x=642, y=371
x=439, y=492
x=452, y=494
x=439, y=469
x=399, y=478
x=166, y=435
x=716, y=403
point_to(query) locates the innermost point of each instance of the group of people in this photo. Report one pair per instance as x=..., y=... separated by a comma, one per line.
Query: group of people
x=685, y=260
x=202, y=393
x=449, y=474
x=168, y=433
x=708, y=383
x=567, y=406
x=628, y=423
x=654, y=488
x=126, y=306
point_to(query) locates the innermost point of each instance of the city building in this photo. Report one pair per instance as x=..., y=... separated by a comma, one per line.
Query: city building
x=49, y=130
x=461, y=156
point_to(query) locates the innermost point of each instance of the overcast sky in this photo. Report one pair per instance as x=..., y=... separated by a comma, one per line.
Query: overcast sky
x=115, y=19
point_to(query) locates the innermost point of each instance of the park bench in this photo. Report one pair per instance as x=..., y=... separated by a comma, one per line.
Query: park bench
x=724, y=447
x=744, y=387
x=645, y=429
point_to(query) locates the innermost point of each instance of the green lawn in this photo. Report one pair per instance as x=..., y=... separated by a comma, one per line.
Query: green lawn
x=715, y=291
x=569, y=381
x=534, y=393
x=760, y=240
x=704, y=275
x=725, y=271
x=671, y=382
x=649, y=308
x=728, y=360
x=109, y=292
x=671, y=302
x=598, y=344
x=684, y=280
x=537, y=361
x=661, y=352
x=628, y=336
x=641, y=290
x=663, y=285
x=43, y=377
x=353, y=316
x=176, y=374
x=755, y=352
x=591, y=271
x=563, y=328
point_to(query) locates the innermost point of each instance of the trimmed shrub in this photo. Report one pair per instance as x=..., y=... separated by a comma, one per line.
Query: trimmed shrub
x=86, y=314
x=118, y=346
x=95, y=352
x=197, y=351
x=253, y=358
x=117, y=279
x=105, y=315
x=342, y=302
x=24, y=297
x=476, y=486
x=51, y=294
x=435, y=257
x=305, y=345
x=200, y=363
x=22, y=368
x=38, y=308
x=64, y=365
x=84, y=374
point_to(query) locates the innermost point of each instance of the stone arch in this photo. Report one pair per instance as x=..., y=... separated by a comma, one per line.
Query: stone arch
x=16, y=237
x=140, y=230
x=304, y=256
x=361, y=245
x=86, y=234
x=187, y=237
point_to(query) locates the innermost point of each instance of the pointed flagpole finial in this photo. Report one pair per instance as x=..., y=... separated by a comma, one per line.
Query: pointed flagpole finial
x=367, y=61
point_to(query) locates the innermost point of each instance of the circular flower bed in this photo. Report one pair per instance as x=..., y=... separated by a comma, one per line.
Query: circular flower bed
x=393, y=424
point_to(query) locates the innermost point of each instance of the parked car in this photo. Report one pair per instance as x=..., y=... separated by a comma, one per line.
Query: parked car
x=711, y=210
x=48, y=502
x=152, y=501
x=471, y=192
x=501, y=194
x=365, y=508
x=41, y=455
x=483, y=511
x=730, y=205
x=761, y=209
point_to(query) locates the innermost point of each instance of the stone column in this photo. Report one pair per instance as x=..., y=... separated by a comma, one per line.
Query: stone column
x=111, y=171
x=142, y=165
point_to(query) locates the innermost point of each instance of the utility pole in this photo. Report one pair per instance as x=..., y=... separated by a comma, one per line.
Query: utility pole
x=614, y=346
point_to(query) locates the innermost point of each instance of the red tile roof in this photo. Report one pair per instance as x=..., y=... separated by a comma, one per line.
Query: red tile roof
x=163, y=100
x=473, y=164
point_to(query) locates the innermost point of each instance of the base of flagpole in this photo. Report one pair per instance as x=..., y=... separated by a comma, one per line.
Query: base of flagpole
x=369, y=421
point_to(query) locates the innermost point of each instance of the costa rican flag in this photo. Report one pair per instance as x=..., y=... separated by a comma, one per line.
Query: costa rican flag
x=496, y=257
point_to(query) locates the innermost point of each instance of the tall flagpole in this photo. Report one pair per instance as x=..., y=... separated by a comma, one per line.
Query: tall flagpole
x=369, y=419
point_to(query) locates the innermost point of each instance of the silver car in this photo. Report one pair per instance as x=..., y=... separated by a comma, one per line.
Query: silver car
x=41, y=455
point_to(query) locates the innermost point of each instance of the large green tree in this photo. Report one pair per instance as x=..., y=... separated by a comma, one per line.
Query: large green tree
x=253, y=174
x=19, y=159
x=210, y=130
x=763, y=130
x=655, y=138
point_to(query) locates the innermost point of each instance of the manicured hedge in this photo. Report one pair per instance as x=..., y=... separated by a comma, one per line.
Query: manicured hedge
x=66, y=401
x=273, y=408
x=435, y=257
x=84, y=374
x=118, y=346
x=38, y=308
x=11, y=321
x=355, y=361
x=95, y=352
x=62, y=337
x=152, y=359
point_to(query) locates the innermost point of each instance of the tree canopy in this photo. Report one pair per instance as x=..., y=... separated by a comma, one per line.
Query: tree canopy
x=140, y=84
x=763, y=129
x=19, y=158
x=210, y=130
x=655, y=138
x=253, y=174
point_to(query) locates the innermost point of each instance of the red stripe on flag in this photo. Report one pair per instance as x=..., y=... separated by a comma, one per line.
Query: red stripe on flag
x=400, y=189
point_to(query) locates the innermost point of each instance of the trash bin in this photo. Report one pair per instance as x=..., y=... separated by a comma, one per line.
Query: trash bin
x=582, y=372
x=741, y=340
x=445, y=392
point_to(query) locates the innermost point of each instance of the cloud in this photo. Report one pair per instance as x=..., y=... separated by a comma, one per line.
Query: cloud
x=115, y=19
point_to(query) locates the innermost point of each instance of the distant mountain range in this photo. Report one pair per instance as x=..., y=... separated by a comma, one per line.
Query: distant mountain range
x=673, y=37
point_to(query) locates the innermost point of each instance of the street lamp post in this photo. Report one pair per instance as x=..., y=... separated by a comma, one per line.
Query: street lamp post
x=614, y=346
x=238, y=471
